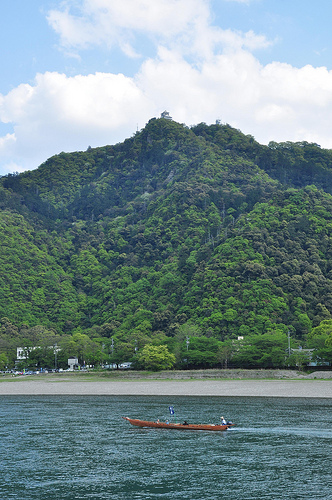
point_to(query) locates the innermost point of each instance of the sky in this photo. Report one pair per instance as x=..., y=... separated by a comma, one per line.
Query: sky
x=80, y=73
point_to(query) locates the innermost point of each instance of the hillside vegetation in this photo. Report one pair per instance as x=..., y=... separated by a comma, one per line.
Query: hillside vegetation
x=174, y=234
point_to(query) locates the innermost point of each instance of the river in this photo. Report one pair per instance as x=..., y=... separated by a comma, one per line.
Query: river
x=79, y=447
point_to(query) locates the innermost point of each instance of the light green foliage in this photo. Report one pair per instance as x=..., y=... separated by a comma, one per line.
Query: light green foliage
x=320, y=339
x=173, y=227
x=3, y=361
x=156, y=358
x=299, y=359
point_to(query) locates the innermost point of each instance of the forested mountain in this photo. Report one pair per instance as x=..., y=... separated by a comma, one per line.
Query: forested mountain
x=177, y=232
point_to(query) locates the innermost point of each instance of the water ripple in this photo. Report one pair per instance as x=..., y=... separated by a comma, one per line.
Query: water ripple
x=71, y=447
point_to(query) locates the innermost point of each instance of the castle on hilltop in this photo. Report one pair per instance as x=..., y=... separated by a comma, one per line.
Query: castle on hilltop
x=165, y=114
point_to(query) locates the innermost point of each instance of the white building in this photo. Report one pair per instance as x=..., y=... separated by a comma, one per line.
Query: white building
x=23, y=352
x=72, y=363
x=165, y=114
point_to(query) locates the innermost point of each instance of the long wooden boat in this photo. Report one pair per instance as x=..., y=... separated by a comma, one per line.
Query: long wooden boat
x=173, y=425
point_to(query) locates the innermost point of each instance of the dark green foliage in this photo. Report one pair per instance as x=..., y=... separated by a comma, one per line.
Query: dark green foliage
x=262, y=351
x=320, y=339
x=173, y=227
x=201, y=352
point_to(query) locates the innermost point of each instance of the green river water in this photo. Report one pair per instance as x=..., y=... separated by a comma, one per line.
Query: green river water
x=79, y=447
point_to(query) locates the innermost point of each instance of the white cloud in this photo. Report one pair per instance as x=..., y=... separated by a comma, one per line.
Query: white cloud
x=183, y=25
x=199, y=73
x=6, y=143
x=273, y=102
x=11, y=167
x=116, y=23
x=247, y=2
x=60, y=113
x=238, y=1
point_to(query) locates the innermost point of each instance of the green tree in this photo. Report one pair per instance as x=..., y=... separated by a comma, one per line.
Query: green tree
x=225, y=352
x=155, y=358
x=3, y=361
x=42, y=357
x=261, y=351
x=122, y=352
x=328, y=341
x=320, y=339
x=299, y=358
x=201, y=352
x=81, y=346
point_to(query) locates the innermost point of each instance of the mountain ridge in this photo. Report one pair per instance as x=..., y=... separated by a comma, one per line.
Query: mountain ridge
x=176, y=229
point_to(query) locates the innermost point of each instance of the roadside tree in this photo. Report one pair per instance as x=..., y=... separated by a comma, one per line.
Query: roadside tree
x=155, y=358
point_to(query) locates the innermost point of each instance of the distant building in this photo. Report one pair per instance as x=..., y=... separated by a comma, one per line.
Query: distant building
x=23, y=352
x=165, y=114
x=72, y=363
x=307, y=354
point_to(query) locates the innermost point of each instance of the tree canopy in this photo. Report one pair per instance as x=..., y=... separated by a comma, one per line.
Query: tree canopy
x=175, y=226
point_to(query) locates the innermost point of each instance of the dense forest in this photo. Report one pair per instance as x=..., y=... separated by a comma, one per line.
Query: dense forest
x=186, y=247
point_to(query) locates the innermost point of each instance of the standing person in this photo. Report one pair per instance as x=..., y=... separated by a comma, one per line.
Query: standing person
x=223, y=421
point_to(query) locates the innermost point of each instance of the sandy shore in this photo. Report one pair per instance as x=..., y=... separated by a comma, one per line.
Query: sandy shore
x=43, y=385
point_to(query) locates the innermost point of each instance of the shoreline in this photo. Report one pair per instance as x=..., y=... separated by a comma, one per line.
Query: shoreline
x=95, y=385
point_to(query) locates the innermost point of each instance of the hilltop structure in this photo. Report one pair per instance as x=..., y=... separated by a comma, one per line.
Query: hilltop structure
x=165, y=114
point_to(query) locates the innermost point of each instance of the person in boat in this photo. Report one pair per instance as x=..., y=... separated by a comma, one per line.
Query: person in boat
x=158, y=421
x=185, y=423
x=223, y=421
x=167, y=421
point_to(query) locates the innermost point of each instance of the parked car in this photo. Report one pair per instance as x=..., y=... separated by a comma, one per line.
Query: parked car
x=125, y=366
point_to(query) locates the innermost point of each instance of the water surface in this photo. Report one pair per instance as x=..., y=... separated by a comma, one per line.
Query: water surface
x=78, y=447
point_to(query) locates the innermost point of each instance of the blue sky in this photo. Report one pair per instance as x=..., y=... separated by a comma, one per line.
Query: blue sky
x=76, y=73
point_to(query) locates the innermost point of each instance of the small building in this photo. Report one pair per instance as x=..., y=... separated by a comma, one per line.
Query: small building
x=22, y=353
x=306, y=355
x=165, y=114
x=72, y=363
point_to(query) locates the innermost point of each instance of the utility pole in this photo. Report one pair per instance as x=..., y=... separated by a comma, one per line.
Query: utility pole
x=288, y=335
x=55, y=353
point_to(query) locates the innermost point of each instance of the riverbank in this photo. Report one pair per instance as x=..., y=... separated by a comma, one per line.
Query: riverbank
x=270, y=383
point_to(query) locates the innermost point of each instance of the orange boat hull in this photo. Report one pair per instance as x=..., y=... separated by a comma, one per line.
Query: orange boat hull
x=189, y=427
